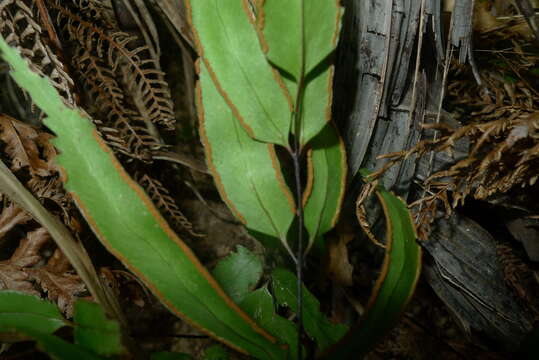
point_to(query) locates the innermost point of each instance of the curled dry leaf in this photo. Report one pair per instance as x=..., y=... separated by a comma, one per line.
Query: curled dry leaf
x=339, y=268
x=11, y=216
x=13, y=272
x=22, y=146
x=60, y=285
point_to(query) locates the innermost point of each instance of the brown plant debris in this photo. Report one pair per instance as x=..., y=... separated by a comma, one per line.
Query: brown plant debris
x=20, y=26
x=29, y=269
x=22, y=146
x=13, y=273
x=11, y=216
x=164, y=202
x=121, y=54
x=59, y=282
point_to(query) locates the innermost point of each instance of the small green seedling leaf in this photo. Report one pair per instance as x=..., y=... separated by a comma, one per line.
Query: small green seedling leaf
x=129, y=225
x=215, y=352
x=19, y=311
x=238, y=273
x=247, y=172
x=316, y=324
x=93, y=331
x=297, y=32
x=326, y=178
x=228, y=44
x=394, y=287
x=60, y=349
x=259, y=305
x=165, y=355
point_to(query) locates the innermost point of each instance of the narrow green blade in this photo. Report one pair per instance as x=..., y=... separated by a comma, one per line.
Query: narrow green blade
x=395, y=286
x=326, y=179
x=281, y=22
x=246, y=171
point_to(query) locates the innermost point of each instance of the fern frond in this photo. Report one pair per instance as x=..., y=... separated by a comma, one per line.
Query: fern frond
x=162, y=199
x=102, y=87
x=123, y=55
x=19, y=25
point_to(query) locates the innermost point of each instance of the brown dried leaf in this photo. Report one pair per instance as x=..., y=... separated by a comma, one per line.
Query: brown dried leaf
x=13, y=272
x=61, y=288
x=162, y=199
x=11, y=216
x=130, y=62
x=20, y=26
x=21, y=139
x=339, y=268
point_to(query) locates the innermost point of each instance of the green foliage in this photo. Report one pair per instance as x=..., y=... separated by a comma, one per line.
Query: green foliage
x=316, y=324
x=395, y=285
x=265, y=74
x=165, y=355
x=260, y=306
x=244, y=169
x=239, y=273
x=326, y=161
x=288, y=43
x=216, y=352
x=299, y=36
x=22, y=311
x=128, y=224
x=38, y=319
x=94, y=331
x=228, y=44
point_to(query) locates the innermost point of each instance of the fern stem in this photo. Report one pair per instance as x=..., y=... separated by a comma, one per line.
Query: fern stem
x=297, y=172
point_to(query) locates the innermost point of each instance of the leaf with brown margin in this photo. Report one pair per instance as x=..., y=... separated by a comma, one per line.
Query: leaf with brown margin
x=228, y=44
x=299, y=37
x=246, y=171
x=130, y=226
x=326, y=179
x=395, y=285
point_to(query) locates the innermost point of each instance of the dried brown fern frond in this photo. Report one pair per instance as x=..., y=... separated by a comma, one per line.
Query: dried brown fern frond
x=29, y=271
x=504, y=156
x=31, y=155
x=125, y=57
x=13, y=274
x=519, y=277
x=11, y=216
x=161, y=197
x=103, y=88
x=58, y=281
x=20, y=26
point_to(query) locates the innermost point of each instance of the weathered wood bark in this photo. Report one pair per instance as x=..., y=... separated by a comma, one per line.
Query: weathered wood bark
x=381, y=100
